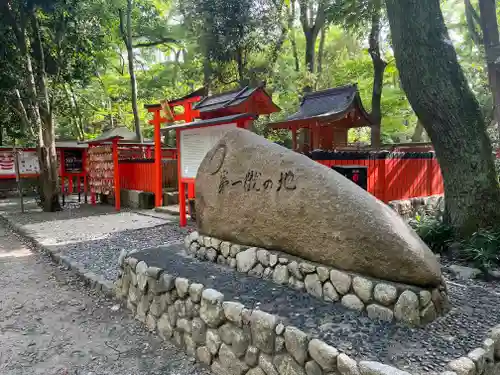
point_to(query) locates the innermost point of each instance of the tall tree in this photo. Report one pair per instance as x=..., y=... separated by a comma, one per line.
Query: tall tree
x=440, y=96
x=126, y=34
x=489, y=39
x=379, y=65
x=232, y=32
x=359, y=15
x=18, y=14
x=313, y=17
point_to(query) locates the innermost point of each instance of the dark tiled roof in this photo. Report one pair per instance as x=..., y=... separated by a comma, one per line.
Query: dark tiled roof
x=214, y=121
x=226, y=99
x=328, y=102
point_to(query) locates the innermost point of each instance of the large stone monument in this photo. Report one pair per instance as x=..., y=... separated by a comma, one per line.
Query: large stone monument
x=253, y=192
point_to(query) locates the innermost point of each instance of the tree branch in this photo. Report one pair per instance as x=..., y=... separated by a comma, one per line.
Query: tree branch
x=22, y=111
x=320, y=19
x=303, y=16
x=473, y=20
x=122, y=28
x=164, y=40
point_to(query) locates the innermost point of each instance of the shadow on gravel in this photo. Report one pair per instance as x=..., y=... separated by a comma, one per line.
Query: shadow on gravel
x=33, y=214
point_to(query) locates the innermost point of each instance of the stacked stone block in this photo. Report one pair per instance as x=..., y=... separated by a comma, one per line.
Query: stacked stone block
x=234, y=340
x=381, y=300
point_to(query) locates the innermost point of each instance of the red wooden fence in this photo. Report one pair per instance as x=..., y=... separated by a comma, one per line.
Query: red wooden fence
x=137, y=175
x=392, y=176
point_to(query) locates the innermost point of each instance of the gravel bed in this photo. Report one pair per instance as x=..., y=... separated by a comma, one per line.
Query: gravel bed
x=475, y=311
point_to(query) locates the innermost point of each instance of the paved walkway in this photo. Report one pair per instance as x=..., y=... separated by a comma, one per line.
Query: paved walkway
x=51, y=324
x=93, y=236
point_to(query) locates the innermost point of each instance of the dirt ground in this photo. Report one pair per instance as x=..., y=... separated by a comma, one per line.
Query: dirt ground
x=51, y=324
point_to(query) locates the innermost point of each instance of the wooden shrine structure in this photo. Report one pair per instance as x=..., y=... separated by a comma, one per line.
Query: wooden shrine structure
x=324, y=119
x=166, y=113
x=217, y=114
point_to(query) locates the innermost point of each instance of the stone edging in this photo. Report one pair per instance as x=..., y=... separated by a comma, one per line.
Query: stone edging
x=409, y=208
x=224, y=335
x=382, y=300
x=234, y=340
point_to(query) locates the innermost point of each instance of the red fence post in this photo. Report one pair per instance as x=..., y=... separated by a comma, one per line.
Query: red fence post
x=182, y=191
x=157, y=179
x=116, y=174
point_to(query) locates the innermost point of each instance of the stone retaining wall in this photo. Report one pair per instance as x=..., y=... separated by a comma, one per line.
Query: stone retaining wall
x=409, y=208
x=382, y=300
x=234, y=340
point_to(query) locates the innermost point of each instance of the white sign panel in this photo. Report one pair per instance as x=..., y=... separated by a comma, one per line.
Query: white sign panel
x=28, y=162
x=195, y=143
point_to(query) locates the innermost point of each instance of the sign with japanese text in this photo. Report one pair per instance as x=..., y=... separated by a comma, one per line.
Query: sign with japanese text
x=195, y=144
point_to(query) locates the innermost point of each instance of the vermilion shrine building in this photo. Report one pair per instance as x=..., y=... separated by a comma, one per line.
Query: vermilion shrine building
x=324, y=119
x=319, y=129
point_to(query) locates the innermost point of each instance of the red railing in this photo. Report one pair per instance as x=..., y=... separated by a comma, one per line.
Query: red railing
x=392, y=176
x=138, y=151
x=137, y=167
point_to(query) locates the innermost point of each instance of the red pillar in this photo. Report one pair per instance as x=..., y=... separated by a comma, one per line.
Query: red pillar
x=182, y=191
x=158, y=183
x=294, y=138
x=84, y=170
x=116, y=174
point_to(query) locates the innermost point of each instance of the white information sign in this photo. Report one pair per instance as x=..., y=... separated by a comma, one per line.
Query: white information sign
x=28, y=162
x=195, y=143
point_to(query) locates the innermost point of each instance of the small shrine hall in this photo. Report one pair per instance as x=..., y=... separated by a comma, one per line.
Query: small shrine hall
x=206, y=119
x=324, y=119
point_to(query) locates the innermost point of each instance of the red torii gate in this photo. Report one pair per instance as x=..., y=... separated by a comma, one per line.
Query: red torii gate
x=189, y=114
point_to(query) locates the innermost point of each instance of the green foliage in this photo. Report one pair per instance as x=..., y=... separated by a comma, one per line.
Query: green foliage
x=433, y=231
x=482, y=249
x=222, y=43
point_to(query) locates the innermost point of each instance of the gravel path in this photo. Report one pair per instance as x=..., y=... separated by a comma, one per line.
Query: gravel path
x=93, y=235
x=52, y=325
x=475, y=311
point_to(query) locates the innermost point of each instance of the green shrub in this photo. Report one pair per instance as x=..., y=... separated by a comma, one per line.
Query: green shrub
x=431, y=229
x=482, y=249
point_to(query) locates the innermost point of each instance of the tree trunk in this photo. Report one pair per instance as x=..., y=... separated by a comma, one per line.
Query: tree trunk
x=75, y=112
x=312, y=22
x=418, y=133
x=310, y=56
x=378, y=73
x=321, y=50
x=47, y=151
x=133, y=81
x=241, y=67
x=491, y=39
x=440, y=96
x=473, y=20
x=293, y=41
x=310, y=52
